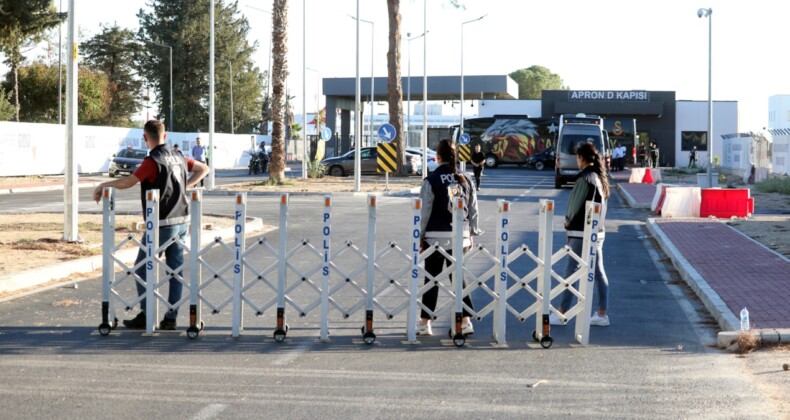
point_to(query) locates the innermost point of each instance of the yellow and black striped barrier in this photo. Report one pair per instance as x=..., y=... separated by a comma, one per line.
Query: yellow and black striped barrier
x=464, y=153
x=387, y=159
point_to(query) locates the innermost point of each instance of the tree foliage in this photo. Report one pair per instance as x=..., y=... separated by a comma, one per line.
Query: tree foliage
x=113, y=52
x=183, y=25
x=534, y=79
x=22, y=23
x=6, y=108
x=39, y=100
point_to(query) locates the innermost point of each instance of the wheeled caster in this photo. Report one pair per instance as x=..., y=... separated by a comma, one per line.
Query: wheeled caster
x=459, y=340
x=546, y=342
x=369, y=338
x=194, y=331
x=535, y=335
x=114, y=324
x=279, y=335
x=104, y=329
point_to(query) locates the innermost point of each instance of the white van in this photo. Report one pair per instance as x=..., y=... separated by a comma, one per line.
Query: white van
x=576, y=129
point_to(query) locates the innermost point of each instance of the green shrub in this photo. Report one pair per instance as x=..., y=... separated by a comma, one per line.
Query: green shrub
x=315, y=169
x=777, y=185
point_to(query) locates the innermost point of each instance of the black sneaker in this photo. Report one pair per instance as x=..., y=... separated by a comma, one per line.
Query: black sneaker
x=137, y=323
x=167, y=324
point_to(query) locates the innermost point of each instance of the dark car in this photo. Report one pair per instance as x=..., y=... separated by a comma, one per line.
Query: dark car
x=544, y=159
x=126, y=161
x=344, y=164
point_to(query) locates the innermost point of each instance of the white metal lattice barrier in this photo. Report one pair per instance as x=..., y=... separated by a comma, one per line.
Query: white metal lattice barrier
x=338, y=279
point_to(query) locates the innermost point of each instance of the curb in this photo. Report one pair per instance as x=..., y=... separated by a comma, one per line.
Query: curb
x=629, y=199
x=38, y=276
x=391, y=193
x=54, y=187
x=712, y=301
x=766, y=337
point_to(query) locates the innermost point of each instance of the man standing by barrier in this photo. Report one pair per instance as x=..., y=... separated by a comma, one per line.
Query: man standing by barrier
x=165, y=170
x=199, y=154
x=478, y=161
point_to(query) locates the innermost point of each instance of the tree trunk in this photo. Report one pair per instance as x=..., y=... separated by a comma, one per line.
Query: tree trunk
x=279, y=75
x=394, y=86
x=15, y=69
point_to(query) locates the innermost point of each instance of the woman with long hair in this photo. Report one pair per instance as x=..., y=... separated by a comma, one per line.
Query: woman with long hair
x=591, y=185
x=437, y=192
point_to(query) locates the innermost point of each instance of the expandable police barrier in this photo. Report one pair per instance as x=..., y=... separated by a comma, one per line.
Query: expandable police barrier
x=342, y=279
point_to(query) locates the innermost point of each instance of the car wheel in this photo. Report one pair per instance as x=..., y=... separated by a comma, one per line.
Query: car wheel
x=491, y=161
x=336, y=171
x=539, y=166
x=111, y=174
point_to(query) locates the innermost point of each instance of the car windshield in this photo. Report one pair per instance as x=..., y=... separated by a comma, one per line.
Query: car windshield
x=132, y=154
x=573, y=136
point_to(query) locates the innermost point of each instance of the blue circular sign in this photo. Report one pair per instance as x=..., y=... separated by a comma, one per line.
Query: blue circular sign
x=326, y=134
x=387, y=132
x=464, y=139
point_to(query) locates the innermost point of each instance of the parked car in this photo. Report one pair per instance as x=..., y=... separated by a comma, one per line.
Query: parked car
x=542, y=160
x=126, y=161
x=344, y=164
x=417, y=151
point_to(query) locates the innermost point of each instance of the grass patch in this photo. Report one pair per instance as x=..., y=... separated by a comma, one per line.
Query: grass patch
x=315, y=169
x=271, y=182
x=777, y=185
x=683, y=171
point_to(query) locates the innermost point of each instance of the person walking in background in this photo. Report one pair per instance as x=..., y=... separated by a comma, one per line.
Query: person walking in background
x=199, y=154
x=177, y=149
x=437, y=193
x=591, y=185
x=478, y=160
x=655, y=155
x=693, y=157
x=623, y=151
x=651, y=154
x=164, y=170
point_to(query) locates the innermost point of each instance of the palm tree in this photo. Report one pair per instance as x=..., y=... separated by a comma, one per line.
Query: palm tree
x=279, y=75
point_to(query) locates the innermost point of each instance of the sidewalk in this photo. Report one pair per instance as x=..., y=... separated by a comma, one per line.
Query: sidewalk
x=727, y=269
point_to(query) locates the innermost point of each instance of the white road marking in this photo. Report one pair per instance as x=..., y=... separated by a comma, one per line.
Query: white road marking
x=210, y=411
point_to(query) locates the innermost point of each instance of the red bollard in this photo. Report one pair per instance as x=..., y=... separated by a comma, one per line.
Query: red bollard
x=648, y=178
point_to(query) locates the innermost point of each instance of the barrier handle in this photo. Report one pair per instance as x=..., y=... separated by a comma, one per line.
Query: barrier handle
x=239, y=228
x=500, y=311
x=411, y=321
x=108, y=243
x=326, y=253
x=151, y=270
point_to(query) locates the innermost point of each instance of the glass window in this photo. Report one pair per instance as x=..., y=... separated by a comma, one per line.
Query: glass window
x=573, y=136
x=689, y=139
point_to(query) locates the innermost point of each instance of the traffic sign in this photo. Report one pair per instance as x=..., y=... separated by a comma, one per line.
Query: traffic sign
x=464, y=154
x=387, y=158
x=387, y=132
x=326, y=134
x=464, y=138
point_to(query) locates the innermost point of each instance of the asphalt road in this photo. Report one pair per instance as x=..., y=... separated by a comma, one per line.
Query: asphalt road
x=655, y=360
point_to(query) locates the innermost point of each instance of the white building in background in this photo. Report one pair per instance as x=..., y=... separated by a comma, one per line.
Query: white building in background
x=779, y=112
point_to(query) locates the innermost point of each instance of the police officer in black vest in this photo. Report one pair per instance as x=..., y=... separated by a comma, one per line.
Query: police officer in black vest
x=437, y=192
x=164, y=170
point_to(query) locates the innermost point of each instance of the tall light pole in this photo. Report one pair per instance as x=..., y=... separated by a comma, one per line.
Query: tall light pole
x=708, y=14
x=170, y=118
x=304, y=89
x=357, y=119
x=372, y=94
x=408, y=89
x=462, y=69
x=269, y=70
x=424, y=142
x=211, y=97
x=60, y=66
x=71, y=196
x=317, y=104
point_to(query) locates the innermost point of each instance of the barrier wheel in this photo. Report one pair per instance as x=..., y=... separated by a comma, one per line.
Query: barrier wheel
x=192, y=332
x=546, y=342
x=369, y=338
x=104, y=329
x=534, y=335
x=201, y=326
x=459, y=340
x=279, y=335
x=114, y=324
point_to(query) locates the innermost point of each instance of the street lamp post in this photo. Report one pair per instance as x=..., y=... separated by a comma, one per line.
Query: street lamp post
x=463, y=167
x=408, y=89
x=170, y=118
x=317, y=106
x=708, y=14
x=304, y=89
x=372, y=94
x=424, y=140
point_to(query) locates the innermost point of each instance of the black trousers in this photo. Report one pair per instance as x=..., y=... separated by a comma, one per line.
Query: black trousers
x=477, y=172
x=434, y=264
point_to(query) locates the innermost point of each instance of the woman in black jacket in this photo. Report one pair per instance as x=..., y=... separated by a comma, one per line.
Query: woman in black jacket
x=437, y=192
x=591, y=185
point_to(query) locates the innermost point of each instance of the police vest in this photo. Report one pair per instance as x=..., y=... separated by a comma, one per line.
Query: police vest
x=443, y=184
x=171, y=181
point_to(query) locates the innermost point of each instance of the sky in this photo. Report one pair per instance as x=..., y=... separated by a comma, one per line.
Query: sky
x=591, y=45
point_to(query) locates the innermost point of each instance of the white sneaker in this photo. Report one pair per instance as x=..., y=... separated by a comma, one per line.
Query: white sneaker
x=555, y=320
x=599, y=321
x=424, y=329
x=467, y=329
